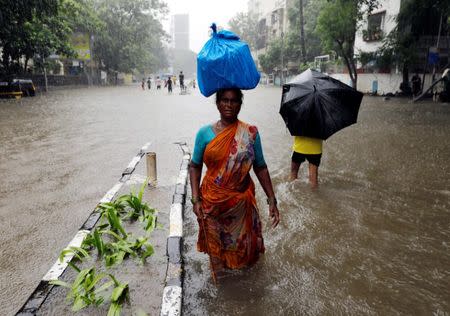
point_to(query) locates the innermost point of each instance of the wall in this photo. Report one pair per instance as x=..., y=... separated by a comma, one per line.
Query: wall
x=387, y=83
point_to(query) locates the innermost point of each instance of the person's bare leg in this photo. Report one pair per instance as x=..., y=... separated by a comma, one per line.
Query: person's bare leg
x=313, y=175
x=294, y=170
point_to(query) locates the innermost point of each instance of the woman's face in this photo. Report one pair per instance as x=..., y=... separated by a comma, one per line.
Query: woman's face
x=229, y=105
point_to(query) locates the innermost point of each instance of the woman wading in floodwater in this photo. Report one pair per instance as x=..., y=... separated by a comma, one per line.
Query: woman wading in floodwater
x=225, y=204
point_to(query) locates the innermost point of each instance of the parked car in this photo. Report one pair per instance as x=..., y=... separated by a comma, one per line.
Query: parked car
x=17, y=88
x=26, y=86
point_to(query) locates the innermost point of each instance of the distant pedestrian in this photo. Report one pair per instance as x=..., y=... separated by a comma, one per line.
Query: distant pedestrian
x=193, y=83
x=181, y=78
x=149, y=83
x=158, y=83
x=143, y=84
x=169, y=85
x=444, y=96
x=416, y=84
x=310, y=149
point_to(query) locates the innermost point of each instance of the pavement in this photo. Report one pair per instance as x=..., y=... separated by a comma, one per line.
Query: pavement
x=156, y=286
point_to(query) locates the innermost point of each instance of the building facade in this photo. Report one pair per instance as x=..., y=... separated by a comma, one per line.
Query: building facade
x=179, y=31
x=376, y=26
x=273, y=23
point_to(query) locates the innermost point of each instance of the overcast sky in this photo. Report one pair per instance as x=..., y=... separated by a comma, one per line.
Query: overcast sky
x=201, y=14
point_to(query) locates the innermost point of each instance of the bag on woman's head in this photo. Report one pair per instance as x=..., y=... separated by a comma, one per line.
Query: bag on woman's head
x=225, y=62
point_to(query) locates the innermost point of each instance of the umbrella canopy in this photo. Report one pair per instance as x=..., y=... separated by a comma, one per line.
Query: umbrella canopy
x=316, y=105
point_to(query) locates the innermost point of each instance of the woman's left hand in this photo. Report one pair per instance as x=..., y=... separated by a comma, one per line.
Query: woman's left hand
x=274, y=215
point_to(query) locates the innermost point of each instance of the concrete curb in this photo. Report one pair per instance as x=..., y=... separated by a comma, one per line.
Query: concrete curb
x=41, y=292
x=173, y=291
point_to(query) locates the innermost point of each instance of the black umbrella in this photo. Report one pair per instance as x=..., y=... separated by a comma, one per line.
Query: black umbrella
x=316, y=105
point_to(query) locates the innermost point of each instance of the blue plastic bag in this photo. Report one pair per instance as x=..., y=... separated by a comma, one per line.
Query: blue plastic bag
x=225, y=62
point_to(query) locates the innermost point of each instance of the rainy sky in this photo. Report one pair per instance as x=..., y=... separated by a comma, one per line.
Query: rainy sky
x=201, y=14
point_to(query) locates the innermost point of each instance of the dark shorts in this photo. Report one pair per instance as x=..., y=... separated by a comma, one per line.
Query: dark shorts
x=312, y=159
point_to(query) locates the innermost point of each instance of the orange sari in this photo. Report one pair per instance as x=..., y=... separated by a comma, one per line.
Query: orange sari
x=231, y=229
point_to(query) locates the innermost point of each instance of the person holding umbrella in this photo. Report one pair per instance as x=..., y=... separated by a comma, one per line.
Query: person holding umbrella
x=314, y=106
x=310, y=149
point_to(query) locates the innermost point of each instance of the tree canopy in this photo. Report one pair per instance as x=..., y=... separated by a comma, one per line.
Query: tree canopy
x=336, y=26
x=313, y=46
x=132, y=37
x=127, y=34
x=271, y=60
x=245, y=25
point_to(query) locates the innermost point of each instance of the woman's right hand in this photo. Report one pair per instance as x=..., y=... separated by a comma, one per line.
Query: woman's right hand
x=198, y=209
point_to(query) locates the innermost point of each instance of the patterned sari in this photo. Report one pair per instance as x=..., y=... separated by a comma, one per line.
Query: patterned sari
x=231, y=229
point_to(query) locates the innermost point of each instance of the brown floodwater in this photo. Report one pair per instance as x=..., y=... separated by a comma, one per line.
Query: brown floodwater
x=373, y=239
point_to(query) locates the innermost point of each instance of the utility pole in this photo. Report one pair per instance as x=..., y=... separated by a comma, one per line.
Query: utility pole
x=302, y=33
x=91, y=60
x=282, y=59
x=45, y=75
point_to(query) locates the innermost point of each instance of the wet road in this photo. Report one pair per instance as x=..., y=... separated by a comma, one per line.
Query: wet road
x=374, y=239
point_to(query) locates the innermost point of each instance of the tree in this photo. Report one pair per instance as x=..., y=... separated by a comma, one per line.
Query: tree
x=132, y=38
x=36, y=29
x=14, y=16
x=337, y=24
x=302, y=31
x=245, y=25
x=272, y=58
x=294, y=49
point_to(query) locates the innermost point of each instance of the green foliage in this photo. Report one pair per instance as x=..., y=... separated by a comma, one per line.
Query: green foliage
x=245, y=25
x=113, y=245
x=128, y=206
x=416, y=17
x=272, y=58
x=87, y=287
x=136, y=209
x=131, y=39
x=313, y=45
x=127, y=33
x=336, y=26
x=115, y=251
x=36, y=29
x=120, y=295
x=83, y=291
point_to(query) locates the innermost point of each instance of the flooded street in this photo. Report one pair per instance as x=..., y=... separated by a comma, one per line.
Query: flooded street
x=374, y=239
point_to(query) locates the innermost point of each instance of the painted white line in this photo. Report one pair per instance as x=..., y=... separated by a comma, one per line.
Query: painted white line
x=176, y=220
x=134, y=162
x=59, y=267
x=110, y=194
x=182, y=177
x=171, y=301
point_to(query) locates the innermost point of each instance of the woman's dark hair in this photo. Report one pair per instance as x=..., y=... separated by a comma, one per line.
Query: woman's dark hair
x=221, y=92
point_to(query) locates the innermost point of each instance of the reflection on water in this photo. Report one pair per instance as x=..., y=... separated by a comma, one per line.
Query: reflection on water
x=373, y=239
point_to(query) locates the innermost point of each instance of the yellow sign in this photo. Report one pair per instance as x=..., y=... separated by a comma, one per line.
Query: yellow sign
x=80, y=43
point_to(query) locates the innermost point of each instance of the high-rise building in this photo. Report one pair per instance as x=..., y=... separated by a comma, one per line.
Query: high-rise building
x=179, y=30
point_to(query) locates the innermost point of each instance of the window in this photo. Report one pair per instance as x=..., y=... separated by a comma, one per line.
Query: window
x=375, y=24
